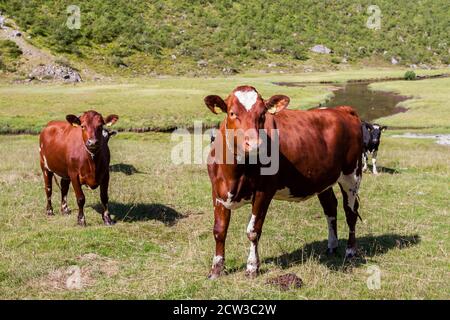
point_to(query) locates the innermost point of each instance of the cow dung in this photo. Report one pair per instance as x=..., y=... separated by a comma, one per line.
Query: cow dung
x=286, y=281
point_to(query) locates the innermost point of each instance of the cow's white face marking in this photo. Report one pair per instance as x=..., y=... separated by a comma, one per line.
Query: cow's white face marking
x=253, y=259
x=247, y=98
x=332, y=238
x=350, y=184
x=105, y=133
x=229, y=204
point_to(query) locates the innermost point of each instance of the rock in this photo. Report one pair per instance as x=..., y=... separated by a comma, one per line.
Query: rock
x=228, y=70
x=413, y=66
x=344, y=60
x=174, y=57
x=17, y=33
x=394, y=61
x=321, y=49
x=272, y=65
x=202, y=63
x=2, y=21
x=55, y=72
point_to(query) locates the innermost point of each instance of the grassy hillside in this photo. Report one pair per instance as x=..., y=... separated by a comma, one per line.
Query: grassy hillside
x=205, y=36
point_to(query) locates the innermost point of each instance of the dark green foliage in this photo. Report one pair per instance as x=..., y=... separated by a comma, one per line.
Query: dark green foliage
x=238, y=32
x=410, y=75
x=9, y=49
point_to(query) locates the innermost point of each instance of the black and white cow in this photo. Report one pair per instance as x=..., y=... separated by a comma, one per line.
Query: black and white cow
x=371, y=142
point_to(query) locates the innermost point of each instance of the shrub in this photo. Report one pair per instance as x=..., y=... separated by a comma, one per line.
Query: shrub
x=410, y=75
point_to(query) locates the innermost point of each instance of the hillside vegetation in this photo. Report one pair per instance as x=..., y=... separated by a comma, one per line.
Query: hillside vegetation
x=205, y=36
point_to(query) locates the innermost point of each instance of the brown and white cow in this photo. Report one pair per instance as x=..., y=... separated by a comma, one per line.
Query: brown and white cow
x=77, y=151
x=317, y=149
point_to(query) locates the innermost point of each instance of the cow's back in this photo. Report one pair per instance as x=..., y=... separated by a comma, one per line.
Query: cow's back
x=316, y=146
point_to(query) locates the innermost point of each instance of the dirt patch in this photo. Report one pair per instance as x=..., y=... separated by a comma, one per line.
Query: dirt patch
x=79, y=276
x=286, y=281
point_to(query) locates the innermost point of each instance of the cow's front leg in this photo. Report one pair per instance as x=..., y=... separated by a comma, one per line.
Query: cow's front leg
x=221, y=222
x=254, y=230
x=104, y=198
x=374, y=162
x=80, y=200
x=365, y=158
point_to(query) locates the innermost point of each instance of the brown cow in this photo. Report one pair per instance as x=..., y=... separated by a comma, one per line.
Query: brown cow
x=317, y=149
x=77, y=151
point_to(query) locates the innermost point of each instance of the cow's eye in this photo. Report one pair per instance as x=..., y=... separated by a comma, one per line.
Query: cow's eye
x=233, y=115
x=83, y=127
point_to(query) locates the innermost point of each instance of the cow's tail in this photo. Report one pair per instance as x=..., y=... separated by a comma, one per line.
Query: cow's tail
x=57, y=183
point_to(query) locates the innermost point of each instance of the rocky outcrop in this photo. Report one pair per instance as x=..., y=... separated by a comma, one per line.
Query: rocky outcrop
x=55, y=72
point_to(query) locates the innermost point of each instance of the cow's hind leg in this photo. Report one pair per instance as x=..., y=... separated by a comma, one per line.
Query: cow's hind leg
x=349, y=185
x=104, y=198
x=80, y=200
x=329, y=204
x=48, y=177
x=65, y=184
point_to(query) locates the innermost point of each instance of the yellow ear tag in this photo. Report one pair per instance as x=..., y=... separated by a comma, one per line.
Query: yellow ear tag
x=217, y=110
x=272, y=110
x=109, y=124
x=75, y=125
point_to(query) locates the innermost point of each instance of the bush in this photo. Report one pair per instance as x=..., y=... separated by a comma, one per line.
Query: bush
x=10, y=49
x=410, y=75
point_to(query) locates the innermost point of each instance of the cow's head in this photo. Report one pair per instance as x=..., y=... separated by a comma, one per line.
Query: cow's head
x=91, y=124
x=246, y=113
x=375, y=133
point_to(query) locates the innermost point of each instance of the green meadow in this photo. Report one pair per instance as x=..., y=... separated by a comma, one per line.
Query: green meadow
x=162, y=245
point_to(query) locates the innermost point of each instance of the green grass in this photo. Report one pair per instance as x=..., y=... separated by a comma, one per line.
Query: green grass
x=428, y=108
x=158, y=104
x=164, y=245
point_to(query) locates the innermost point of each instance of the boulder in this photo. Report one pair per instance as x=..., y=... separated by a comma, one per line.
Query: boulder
x=55, y=72
x=321, y=49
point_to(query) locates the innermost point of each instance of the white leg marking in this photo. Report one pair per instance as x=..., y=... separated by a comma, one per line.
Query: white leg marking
x=217, y=261
x=374, y=163
x=332, y=239
x=251, y=224
x=253, y=259
x=364, y=159
x=247, y=98
x=350, y=252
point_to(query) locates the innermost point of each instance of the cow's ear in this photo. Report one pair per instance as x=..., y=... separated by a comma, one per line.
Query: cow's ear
x=277, y=103
x=215, y=104
x=73, y=120
x=383, y=128
x=111, y=119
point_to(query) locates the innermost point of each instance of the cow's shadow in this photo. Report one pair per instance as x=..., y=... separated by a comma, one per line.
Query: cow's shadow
x=124, y=168
x=134, y=212
x=382, y=169
x=368, y=246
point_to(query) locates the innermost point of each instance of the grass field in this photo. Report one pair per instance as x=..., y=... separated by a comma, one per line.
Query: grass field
x=158, y=104
x=162, y=245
